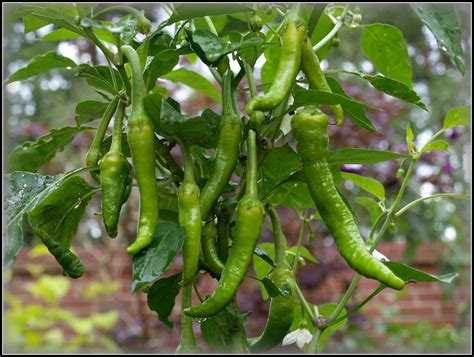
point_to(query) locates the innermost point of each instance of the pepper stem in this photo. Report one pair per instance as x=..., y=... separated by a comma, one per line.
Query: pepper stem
x=116, y=145
x=251, y=187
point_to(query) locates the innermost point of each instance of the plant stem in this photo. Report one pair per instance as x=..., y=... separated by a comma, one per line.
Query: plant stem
x=298, y=245
x=421, y=199
x=333, y=32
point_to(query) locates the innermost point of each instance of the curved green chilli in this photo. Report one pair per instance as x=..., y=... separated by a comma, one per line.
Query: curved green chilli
x=190, y=219
x=310, y=130
x=209, y=248
x=288, y=66
x=250, y=214
x=315, y=76
x=227, y=151
x=114, y=177
x=141, y=139
x=281, y=311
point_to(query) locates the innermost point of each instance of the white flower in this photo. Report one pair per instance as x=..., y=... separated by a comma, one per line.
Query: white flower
x=379, y=256
x=301, y=336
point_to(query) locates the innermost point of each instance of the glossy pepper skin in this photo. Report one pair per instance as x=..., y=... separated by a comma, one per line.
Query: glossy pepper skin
x=142, y=146
x=114, y=177
x=190, y=219
x=315, y=76
x=114, y=173
x=288, y=67
x=209, y=248
x=309, y=127
x=250, y=214
x=227, y=151
x=281, y=312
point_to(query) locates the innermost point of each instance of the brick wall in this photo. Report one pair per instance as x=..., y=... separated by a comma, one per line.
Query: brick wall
x=139, y=329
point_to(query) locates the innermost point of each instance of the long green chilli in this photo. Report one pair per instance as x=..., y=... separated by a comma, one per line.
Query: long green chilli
x=310, y=130
x=114, y=177
x=190, y=219
x=93, y=154
x=250, y=214
x=281, y=311
x=315, y=76
x=288, y=67
x=227, y=151
x=141, y=140
x=209, y=248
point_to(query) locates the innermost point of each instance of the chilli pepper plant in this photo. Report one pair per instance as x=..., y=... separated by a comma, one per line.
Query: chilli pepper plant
x=211, y=204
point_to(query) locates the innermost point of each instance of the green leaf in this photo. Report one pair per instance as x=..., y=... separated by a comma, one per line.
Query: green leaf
x=250, y=54
x=100, y=77
x=151, y=262
x=162, y=295
x=456, y=117
x=269, y=68
x=190, y=11
x=361, y=156
x=262, y=266
x=368, y=184
x=161, y=64
x=372, y=206
x=195, y=81
x=355, y=111
x=89, y=110
x=40, y=64
x=278, y=184
x=32, y=23
x=219, y=330
x=408, y=273
x=196, y=130
x=303, y=252
x=32, y=155
x=23, y=191
x=443, y=22
x=385, y=46
x=60, y=35
x=326, y=310
x=55, y=220
x=273, y=290
x=211, y=48
x=389, y=86
x=436, y=145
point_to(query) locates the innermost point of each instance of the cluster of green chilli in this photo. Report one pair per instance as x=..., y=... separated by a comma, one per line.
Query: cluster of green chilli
x=196, y=212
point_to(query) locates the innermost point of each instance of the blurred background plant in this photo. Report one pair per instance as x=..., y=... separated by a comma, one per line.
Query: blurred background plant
x=41, y=325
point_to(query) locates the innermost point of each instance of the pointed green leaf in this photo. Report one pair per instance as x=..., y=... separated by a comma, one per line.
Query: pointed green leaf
x=385, y=46
x=40, y=64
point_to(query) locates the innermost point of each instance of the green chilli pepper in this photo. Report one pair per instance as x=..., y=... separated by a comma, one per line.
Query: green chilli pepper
x=250, y=214
x=190, y=219
x=315, y=76
x=209, y=248
x=141, y=139
x=288, y=67
x=93, y=154
x=310, y=130
x=227, y=151
x=114, y=177
x=281, y=310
